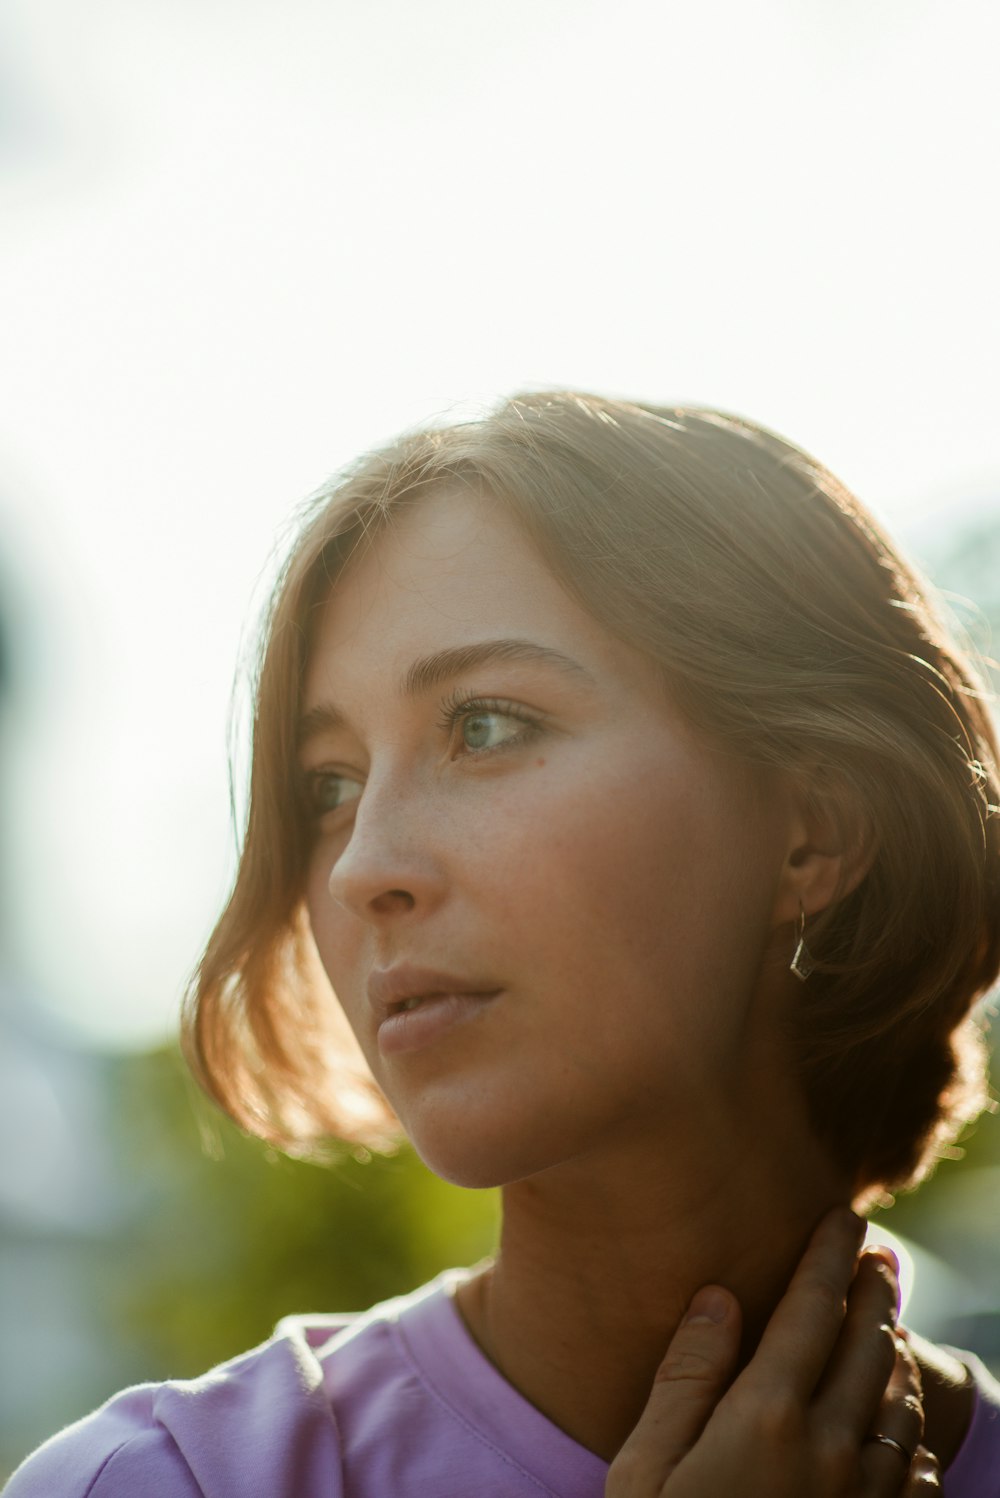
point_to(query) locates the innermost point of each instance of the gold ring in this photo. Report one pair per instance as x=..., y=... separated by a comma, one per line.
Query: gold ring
x=896, y=1446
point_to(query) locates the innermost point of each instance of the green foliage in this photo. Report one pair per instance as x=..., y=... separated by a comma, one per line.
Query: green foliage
x=228, y=1238
x=954, y=1213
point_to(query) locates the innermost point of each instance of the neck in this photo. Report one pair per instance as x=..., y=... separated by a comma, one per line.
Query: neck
x=597, y=1264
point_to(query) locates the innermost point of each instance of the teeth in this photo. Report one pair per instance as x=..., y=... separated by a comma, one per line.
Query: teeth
x=409, y=1004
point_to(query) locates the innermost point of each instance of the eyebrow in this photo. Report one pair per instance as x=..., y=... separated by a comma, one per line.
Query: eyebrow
x=431, y=670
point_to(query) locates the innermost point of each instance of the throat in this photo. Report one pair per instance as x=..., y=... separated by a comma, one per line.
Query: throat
x=595, y=1272
x=598, y=1412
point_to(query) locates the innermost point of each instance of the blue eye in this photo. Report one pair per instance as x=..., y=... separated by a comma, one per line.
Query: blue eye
x=480, y=725
x=488, y=730
x=329, y=791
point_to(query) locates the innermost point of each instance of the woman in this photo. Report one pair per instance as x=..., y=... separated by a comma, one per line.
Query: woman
x=618, y=779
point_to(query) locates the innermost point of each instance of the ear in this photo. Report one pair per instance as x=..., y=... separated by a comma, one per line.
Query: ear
x=831, y=846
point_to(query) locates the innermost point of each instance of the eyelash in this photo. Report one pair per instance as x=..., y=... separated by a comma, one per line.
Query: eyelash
x=453, y=710
x=460, y=705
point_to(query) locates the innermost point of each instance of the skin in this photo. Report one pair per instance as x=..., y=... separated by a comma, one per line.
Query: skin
x=575, y=843
x=830, y=1369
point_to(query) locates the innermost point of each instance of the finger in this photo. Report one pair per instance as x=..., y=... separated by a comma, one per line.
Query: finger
x=688, y=1385
x=803, y=1331
x=863, y=1360
x=925, y=1475
x=888, y=1455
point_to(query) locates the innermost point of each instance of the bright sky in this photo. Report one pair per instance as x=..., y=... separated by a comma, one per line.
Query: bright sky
x=241, y=241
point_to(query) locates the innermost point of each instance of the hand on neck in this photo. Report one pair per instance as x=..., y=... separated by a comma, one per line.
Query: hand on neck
x=599, y=1259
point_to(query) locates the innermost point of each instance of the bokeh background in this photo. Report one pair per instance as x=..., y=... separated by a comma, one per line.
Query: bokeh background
x=239, y=242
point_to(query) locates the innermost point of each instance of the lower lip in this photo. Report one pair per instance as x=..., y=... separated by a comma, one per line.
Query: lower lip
x=430, y=1021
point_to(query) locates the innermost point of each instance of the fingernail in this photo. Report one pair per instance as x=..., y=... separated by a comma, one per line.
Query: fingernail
x=881, y=1251
x=892, y=1264
x=926, y=1467
x=708, y=1305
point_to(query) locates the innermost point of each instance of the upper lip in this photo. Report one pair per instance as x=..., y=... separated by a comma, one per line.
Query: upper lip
x=391, y=987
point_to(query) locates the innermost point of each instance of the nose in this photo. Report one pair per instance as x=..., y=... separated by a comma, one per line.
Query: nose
x=389, y=866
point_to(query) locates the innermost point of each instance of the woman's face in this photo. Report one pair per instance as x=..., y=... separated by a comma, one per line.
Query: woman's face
x=543, y=899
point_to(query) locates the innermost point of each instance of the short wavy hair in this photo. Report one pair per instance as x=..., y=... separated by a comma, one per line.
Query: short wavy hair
x=789, y=629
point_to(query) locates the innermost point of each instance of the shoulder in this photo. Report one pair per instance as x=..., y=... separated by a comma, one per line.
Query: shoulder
x=258, y=1424
x=397, y=1400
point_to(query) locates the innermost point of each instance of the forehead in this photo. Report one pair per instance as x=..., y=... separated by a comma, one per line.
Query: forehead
x=454, y=569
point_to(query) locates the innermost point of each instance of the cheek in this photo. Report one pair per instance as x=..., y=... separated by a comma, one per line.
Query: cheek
x=652, y=889
x=621, y=849
x=317, y=904
x=336, y=933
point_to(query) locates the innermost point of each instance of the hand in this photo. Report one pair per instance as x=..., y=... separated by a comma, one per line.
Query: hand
x=830, y=1373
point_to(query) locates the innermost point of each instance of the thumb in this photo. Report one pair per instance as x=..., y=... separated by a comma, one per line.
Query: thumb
x=688, y=1385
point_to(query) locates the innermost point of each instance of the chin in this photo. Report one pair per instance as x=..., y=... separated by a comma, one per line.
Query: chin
x=462, y=1159
x=470, y=1174
x=484, y=1148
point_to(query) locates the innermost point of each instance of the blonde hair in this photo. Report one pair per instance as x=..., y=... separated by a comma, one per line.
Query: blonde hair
x=789, y=629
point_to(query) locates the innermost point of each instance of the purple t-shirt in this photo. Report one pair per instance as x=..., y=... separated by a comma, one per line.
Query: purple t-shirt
x=397, y=1403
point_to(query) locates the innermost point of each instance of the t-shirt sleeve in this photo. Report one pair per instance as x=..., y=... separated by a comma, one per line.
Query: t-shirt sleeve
x=260, y=1426
x=119, y=1452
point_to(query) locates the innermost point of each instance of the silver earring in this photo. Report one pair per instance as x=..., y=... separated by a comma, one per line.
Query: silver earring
x=802, y=964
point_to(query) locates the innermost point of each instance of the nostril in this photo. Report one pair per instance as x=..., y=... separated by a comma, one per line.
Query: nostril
x=393, y=899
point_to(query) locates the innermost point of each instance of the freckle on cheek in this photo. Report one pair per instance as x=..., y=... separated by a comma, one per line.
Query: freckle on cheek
x=539, y=763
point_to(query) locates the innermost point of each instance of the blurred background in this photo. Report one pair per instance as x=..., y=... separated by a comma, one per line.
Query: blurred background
x=240, y=242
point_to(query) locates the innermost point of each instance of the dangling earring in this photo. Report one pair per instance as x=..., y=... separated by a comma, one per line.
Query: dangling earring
x=802, y=964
